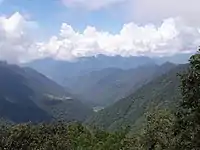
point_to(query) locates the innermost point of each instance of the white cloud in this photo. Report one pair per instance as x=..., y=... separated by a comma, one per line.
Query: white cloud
x=173, y=36
x=91, y=4
x=156, y=10
x=17, y=43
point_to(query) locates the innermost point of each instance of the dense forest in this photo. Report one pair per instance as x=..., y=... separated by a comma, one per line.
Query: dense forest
x=163, y=128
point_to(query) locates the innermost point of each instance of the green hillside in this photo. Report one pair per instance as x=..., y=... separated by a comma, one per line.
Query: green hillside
x=130, y=110
x=104, y=87
x=26, y=95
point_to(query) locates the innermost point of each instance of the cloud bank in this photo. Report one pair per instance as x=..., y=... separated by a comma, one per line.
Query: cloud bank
x=17, y=43
x=172, y=37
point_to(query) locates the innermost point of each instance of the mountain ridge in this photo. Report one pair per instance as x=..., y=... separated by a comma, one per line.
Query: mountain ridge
x=24, y=91
x=51, y=67
x=162, y=91
x=108, y=85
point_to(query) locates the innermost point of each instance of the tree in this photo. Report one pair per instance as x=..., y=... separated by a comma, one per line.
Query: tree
x=188, y=116
x=158, y=130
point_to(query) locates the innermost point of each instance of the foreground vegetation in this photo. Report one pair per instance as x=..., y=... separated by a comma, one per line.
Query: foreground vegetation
x=162, y=129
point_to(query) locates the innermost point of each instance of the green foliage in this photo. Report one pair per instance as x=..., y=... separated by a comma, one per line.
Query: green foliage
x=58, y=136
x=27, y=136
x=158, y=131
x=188, y=115
x=165, y=131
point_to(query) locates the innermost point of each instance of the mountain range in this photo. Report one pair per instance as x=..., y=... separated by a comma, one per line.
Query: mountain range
x=124, y=87
x=163, y=91
x=61, y=71
x=26, y=95
x=102, y=80
x=106, y=86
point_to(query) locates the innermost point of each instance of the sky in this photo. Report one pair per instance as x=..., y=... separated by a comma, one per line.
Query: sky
x=69, y=29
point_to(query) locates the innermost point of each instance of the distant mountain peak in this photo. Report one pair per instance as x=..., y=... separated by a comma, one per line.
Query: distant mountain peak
x=168, y=63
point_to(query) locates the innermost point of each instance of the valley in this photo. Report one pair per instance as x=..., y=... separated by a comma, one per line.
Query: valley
x=101, y=109
x=99, y=75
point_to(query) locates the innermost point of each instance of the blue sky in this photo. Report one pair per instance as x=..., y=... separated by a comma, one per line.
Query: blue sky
x=68, y=29
x=50, y=14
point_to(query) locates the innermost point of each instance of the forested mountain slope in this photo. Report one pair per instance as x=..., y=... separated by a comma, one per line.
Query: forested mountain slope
x=26, y=95
x=106, y=86
x=162, y=91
